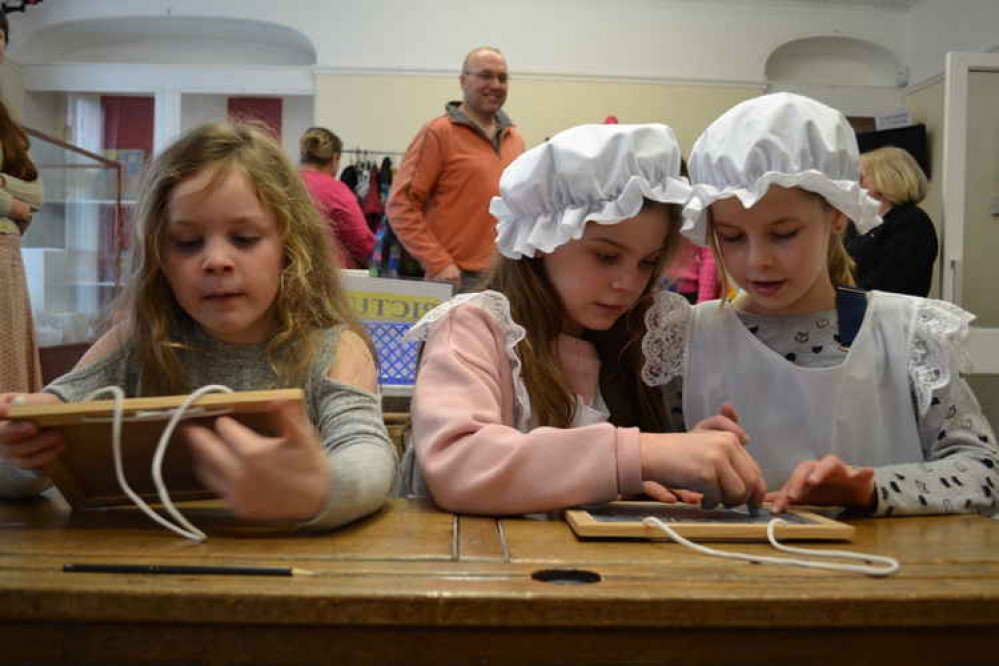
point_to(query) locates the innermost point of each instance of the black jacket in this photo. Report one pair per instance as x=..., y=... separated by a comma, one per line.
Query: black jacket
x=899, y=254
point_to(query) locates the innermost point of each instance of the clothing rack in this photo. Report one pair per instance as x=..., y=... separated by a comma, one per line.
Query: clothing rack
x=367, y=151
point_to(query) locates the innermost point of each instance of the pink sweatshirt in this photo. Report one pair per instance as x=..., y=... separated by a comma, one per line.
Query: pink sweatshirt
x=340, y=208
x=472, y=457
x=694, y=271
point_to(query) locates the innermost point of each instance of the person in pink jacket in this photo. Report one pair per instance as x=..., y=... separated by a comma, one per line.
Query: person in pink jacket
x=694, y=274
x=528, y=397
x=320, y=151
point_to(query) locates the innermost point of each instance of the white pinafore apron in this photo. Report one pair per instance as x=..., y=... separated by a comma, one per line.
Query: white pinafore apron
x=860, y=410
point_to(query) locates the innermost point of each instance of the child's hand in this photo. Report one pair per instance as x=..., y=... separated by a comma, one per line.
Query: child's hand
x=264, y=478
x=710, y=462
x=727, y=419
x=829, y=481
x=22, y=442
x=661, y=493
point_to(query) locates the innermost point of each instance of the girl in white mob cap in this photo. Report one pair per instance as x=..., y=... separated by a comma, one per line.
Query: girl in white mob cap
x=529, y=396
x=851, y=398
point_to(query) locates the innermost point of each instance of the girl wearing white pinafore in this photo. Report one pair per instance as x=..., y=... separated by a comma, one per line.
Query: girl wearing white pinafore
x=892, y=400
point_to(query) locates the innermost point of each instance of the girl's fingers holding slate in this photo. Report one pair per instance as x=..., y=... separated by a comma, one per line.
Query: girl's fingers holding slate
x=35, y=450
x=688, y=496
x=244, y=442
x=828, y=468
x=658, y=492
x=212, y=453
x=16, y=431
x=729, y=411
x=290, y=420
x=724, y=424
x=211, y=477
x=798, y=483
x=731, y=486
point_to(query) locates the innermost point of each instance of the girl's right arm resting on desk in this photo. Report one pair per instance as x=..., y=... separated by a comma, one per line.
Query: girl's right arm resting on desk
x=474, y=461
x=361, y=456
x=961, y=469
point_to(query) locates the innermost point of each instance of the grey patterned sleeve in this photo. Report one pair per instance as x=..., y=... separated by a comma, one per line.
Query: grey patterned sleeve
x=361, y=455
x=961, y=469
x=78, y=383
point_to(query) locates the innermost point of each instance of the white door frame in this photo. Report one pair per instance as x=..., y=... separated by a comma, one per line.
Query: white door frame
x=984, y=342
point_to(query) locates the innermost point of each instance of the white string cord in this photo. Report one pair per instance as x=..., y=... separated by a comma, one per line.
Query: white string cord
x=184, y=527
x=888, y=565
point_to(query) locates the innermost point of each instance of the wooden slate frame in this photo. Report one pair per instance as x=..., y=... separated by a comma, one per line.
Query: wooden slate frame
x=84, y=471
x=812, y=525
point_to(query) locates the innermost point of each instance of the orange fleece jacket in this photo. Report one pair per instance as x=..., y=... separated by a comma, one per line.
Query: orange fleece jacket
x=439, y=206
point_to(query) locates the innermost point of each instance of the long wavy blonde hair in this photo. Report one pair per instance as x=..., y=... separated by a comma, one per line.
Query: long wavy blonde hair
x=536, y=306
x=310, y=295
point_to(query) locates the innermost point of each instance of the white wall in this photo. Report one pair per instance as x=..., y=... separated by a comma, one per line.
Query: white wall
x=199, y=109
x=296, y=116
x=671, y=39
x=935, y=27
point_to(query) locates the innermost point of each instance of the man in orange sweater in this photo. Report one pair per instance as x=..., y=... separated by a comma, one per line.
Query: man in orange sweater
x=439, y=206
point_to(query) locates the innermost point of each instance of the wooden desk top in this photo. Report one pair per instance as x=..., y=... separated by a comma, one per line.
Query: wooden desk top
x=411, y=566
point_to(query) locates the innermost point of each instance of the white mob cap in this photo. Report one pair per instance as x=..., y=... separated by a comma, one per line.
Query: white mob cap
x=590, y=173
x=780, y=139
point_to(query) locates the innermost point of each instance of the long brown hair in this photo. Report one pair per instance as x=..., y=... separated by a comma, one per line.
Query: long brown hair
x=16, y=161
x=536, y=306
x=310, y=297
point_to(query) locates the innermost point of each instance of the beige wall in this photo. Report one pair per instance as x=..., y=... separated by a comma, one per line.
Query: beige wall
x=12, y=89
x=384, y=112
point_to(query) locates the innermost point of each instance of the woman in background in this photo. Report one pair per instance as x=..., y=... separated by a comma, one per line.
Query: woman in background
x=320, y=151
x=20, y=197
x=899, y=254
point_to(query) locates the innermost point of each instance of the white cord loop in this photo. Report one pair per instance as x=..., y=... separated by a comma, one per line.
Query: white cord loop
x=183, y=527
x=889, y=565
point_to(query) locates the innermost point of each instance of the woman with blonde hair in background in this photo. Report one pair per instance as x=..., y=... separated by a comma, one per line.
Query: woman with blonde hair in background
x=899, y=254
x=20, y=197
x=320, y=151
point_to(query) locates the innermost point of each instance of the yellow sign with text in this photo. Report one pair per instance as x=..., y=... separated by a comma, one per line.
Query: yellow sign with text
x=370, y=306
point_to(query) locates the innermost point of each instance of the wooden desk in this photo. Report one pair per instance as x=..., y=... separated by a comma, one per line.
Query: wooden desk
x=418, y=586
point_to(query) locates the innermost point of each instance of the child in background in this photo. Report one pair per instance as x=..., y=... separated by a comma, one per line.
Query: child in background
x=232, y=283
x=882, y=421
x=694, y=274
x=528, y=397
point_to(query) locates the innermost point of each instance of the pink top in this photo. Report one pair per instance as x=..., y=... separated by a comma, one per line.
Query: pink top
x=472, y=457
x=340, y=208
x=694, y=271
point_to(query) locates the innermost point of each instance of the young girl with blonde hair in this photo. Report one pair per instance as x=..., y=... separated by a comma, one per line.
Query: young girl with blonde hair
x=528, y=396
x=853, y=398
x=232, y=283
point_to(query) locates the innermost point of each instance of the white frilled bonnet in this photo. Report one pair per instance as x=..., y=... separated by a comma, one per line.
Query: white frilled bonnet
x=598, y=173
x=779, y=139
